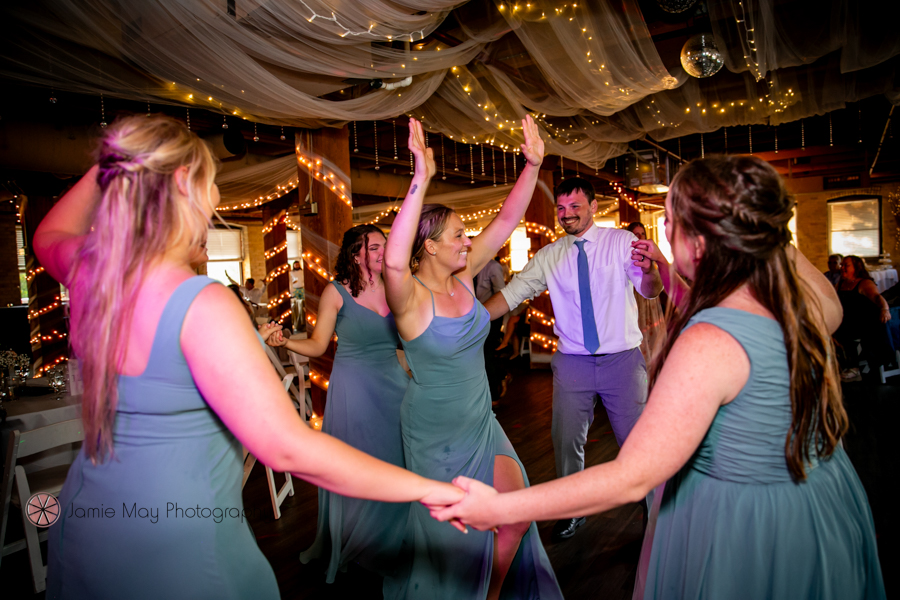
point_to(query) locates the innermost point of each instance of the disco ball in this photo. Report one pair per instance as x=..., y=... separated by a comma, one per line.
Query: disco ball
x=675, y=6
x=700, y=56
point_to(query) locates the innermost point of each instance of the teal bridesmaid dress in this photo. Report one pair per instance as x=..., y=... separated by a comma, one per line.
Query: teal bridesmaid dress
x=362, y=408
x=449, y=430
x=163, y=517
x=733, y=523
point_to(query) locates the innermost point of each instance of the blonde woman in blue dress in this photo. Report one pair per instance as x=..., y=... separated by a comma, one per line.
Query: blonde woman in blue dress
x=176, y=380
x=446, y=420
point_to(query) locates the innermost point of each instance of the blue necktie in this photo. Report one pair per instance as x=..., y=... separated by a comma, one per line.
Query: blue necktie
x=588, y=325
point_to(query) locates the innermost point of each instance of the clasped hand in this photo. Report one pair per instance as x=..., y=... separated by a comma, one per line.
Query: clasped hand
x=644, y=253
x=475, y=509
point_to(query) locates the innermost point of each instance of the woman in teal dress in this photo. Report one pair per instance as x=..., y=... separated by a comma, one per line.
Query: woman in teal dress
x=362, y=407
x=176, y=380
x=446, y=420
x=744, y=419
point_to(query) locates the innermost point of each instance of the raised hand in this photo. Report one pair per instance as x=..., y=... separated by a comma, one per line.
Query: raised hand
x=644, y=252
x=533, y=148
x=425, y=166
x=474, y=509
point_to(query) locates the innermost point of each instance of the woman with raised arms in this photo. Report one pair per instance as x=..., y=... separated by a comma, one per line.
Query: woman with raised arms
x=744, y=418
x=446, y=420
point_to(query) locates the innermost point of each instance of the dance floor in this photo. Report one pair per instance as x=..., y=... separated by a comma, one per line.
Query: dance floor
x=599, y=561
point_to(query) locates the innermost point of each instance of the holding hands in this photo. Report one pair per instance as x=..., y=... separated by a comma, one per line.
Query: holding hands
x=269, y=331
x=645, y=251
x=476, y=508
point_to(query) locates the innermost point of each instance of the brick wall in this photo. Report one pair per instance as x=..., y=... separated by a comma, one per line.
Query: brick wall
x=9, y=268
x=812, y=218
x=255, y=258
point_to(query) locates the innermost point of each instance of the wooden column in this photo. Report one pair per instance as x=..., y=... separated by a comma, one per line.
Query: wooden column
x=277, y=280
x=541, y=211
x=46, y=317
x=627, y=213
x=322, y=233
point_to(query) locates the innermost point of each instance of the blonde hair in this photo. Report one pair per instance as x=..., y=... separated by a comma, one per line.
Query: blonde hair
x=137, y=217
x=432, y=223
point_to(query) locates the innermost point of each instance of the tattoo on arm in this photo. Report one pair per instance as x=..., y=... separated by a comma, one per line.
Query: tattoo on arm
x=413, y=189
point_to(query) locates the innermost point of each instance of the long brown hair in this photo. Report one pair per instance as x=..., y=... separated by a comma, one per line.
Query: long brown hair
x=345, y=269
x=740, y=206
x=136, y=219
x=859, y=267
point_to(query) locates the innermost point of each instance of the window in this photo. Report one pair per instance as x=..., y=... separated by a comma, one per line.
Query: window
x=854, y=226
x=225, y=255
x=20, y=253
x=519, y=245
x=661, y=240
x=293, y=249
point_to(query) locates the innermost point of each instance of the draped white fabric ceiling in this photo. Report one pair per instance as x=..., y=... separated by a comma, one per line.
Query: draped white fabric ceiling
x=589, y=70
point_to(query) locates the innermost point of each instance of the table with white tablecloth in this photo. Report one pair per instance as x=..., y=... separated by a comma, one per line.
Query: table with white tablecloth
x=884, y=278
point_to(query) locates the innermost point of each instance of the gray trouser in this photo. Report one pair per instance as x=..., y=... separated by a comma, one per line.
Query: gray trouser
x=619, y=380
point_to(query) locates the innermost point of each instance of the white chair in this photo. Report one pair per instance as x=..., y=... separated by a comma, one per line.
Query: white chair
x=304, y=404
x=882, y=373
x=50, y=481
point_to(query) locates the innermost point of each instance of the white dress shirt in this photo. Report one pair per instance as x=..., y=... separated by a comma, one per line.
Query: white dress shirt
x=613, y=278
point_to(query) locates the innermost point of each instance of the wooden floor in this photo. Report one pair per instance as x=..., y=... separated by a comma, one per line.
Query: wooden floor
x=599, y=561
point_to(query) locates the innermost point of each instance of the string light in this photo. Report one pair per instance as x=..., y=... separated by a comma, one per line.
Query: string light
x=472, y=163
x=283, y=137
x=280, y=191
x=224, y=122
x=33, y=314
x=702, y=148
x=375, y=135
x=443, y=161
x=750, y=134
x=102, y=113
x=355, y=139
x=803, y=134
x=188, y=117
x=394, y=126
x=336, y=186
x=493, y=167
x=830, y=132
x=505, y=179
x=455, y=157
x=255, y=133
x=32, y=273
x=481, y=147
x=314, y=264
x=776, y=139
x=279, y=248
x=349, y=32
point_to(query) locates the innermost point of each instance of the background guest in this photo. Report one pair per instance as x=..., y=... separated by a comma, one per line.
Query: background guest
x=488, y=282
x=833, y=274
x=865, y=314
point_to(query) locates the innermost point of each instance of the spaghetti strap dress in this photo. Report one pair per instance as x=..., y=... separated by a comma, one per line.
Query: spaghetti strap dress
x=732, y=522
x=449, y=430
x=362, y=408
x=163, y=516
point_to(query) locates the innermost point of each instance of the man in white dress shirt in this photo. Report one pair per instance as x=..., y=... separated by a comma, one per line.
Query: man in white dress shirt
x=590, y=274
